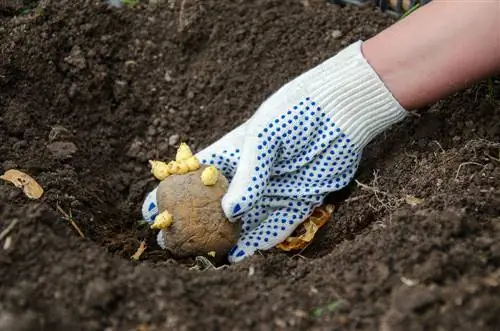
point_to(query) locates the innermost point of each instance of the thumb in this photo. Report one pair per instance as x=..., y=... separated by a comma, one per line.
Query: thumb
x=150, y=207
x=252, y=176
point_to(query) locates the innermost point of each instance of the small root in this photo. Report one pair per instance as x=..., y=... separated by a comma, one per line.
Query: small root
x=465, y=164
x=370, y=188
x=386, y=200
x=439, y=145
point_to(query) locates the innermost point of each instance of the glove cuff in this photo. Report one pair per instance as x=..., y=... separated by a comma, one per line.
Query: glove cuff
x=354, y=96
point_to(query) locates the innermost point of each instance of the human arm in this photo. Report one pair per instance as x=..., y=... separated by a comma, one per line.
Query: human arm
x=439, y=49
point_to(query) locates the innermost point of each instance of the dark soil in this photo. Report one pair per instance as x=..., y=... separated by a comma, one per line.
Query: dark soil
x=88, y=94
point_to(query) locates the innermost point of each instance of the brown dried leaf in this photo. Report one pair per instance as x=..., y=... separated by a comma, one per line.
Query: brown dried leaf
x=140, y=250
x=305, y=232
x=31, y=188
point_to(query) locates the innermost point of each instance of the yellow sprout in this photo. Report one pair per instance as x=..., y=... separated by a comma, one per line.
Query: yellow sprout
x=210, y=175
x=183, y=153
x=162, y=221
x=173, y=167
x=183, y=168
x=211, y=253
x=193, y=163
x=159, y=169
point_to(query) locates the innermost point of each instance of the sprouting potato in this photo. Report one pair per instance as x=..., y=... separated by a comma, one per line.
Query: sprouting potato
x=189, y=201
x=198, y=225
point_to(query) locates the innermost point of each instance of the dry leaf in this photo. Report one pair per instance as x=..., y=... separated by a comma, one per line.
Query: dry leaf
x=31, y=188
x=140, y=250
x=305, y=232
x=413, y=201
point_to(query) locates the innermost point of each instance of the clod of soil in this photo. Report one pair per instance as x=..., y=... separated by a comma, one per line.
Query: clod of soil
x=199, y=225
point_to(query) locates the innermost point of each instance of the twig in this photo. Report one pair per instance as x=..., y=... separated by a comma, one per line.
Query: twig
x=299, y=255
x=371, y=188
x=69, y=218
x=9, y=228
x=409, y=11
x=359, y=197
x=464, y=164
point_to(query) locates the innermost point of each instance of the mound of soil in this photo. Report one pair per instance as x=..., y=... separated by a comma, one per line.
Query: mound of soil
x=89, y=93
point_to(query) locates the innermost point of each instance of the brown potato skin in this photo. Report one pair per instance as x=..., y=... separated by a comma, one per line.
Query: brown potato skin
x=199, y=224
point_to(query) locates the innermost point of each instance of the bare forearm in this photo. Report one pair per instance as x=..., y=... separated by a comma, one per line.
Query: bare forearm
x=441, y=48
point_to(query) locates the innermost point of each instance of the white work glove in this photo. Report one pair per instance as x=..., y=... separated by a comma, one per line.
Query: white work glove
x=303, y=142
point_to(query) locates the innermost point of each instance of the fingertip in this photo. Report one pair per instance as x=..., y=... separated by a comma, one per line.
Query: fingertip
x=238, y=254
x=250, y=179
x=232, y=208
x=236, y=209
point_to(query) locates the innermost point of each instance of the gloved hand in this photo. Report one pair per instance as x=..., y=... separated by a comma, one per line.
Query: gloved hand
x=302, y=143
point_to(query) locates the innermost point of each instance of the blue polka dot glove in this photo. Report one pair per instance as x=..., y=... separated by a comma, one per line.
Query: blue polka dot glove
x=303, y=142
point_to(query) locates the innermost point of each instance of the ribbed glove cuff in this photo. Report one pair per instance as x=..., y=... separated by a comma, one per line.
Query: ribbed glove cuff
x=353, y=95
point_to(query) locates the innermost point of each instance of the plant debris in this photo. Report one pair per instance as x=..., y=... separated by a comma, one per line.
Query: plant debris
x=305, y=232
x=201, y=263
x=69, y=218
x=140, y=250
x=28, y=184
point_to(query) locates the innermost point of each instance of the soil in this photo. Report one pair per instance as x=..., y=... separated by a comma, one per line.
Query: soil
x=89, y=93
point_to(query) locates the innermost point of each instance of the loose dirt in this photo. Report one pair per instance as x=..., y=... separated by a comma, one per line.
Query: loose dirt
x=89, y=93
